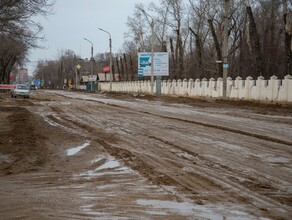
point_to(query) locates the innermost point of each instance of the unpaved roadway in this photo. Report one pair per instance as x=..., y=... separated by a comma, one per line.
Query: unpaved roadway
x=69, y=155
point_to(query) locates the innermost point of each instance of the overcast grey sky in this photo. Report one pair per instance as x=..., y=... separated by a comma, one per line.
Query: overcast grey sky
x=74, y=20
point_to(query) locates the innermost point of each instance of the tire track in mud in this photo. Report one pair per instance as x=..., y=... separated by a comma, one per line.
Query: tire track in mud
x=213, y=169
x=137, y=161
x=245, y=192
x=189, y=184
x=224, y=128
x=208, y=173
x=91, y=130
x=203, y=177
x=262, y=137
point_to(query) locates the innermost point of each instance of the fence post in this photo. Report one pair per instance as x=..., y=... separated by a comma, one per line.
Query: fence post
x=211, y=86
x=274, y=85
x=260, y=86
x=288, y=88
x=190, y=87
x=248, y=86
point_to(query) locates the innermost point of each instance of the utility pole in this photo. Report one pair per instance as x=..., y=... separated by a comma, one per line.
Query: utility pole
x=75, y=76
x=111, y=57
x=111, y=63
x=152, y=48
x=152, y=57
x=225, y=47
x=91, y=77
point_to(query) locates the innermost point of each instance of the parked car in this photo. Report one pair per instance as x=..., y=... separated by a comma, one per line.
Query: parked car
x=21, y=91
x=32, y=87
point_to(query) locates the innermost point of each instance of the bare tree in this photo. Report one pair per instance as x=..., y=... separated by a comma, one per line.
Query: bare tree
x=176, y=21
x=12, y=52
x=199, y=53
x=287, y=18
x=19, y=30
x=255, y=42
x=17, y=15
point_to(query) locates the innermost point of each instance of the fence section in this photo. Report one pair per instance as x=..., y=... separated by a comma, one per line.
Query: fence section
x=271, y=90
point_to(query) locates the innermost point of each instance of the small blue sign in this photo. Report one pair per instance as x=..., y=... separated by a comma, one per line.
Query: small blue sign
x=225, y=65
x=37, y=82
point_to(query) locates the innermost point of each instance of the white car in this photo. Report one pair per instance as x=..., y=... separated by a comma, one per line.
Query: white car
x=20, y=90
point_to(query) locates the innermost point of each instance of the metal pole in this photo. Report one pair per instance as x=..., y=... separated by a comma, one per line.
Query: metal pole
x=111, y=57
x=158, y=78
x=152, y=57
x=225, y=47
x=76, y=76
x=111, y=63
x=91, y=83
x=91, y=62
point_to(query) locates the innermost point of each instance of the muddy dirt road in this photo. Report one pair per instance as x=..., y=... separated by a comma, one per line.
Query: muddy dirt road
x=66, y=155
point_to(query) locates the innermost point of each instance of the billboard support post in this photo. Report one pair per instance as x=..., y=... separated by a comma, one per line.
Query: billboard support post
x=158, y=85
x=225, y=47
x=152, y=57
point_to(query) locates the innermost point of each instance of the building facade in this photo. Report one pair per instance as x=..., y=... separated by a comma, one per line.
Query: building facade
x=21, y=75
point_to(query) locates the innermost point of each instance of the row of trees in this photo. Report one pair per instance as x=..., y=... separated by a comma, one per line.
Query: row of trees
x=259, y=34
x=191, y=31
x=56, y=73
x=18, y=32
x=59, y=72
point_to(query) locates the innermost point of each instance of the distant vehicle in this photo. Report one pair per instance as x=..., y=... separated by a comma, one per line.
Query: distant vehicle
x=33, y=87
x=20, y=90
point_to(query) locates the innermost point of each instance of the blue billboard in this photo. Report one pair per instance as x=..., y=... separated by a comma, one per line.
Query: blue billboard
x=160, y=65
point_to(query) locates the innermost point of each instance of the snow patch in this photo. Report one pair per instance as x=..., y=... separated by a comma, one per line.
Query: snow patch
x=75, y=150
x=110, y=164
x=189, y=209
x=97, y=159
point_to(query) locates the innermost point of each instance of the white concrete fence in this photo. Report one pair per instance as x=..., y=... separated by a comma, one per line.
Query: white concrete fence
x=272, y=90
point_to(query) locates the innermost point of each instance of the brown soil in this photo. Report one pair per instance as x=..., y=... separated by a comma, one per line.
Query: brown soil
x=39, y=181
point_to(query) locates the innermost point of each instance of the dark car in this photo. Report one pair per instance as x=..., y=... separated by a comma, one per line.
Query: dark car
x=32, y=87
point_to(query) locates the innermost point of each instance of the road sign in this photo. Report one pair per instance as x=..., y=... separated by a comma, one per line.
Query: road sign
x=37, y=82
x=78, y=66
x=106, y=69
x=161, y=64
x=225, y=65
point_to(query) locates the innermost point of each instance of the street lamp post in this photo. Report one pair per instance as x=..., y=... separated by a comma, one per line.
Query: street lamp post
x=225, y=47
x=158, y=78
x=91, y=61
x=152, y=57
x=111, y=57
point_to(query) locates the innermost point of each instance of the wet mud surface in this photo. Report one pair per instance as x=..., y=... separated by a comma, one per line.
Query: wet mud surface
x=110, y=156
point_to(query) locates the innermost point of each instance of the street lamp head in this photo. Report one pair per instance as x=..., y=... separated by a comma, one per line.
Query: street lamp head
x=105, y=31
x=111, y=56
x=88, y=41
